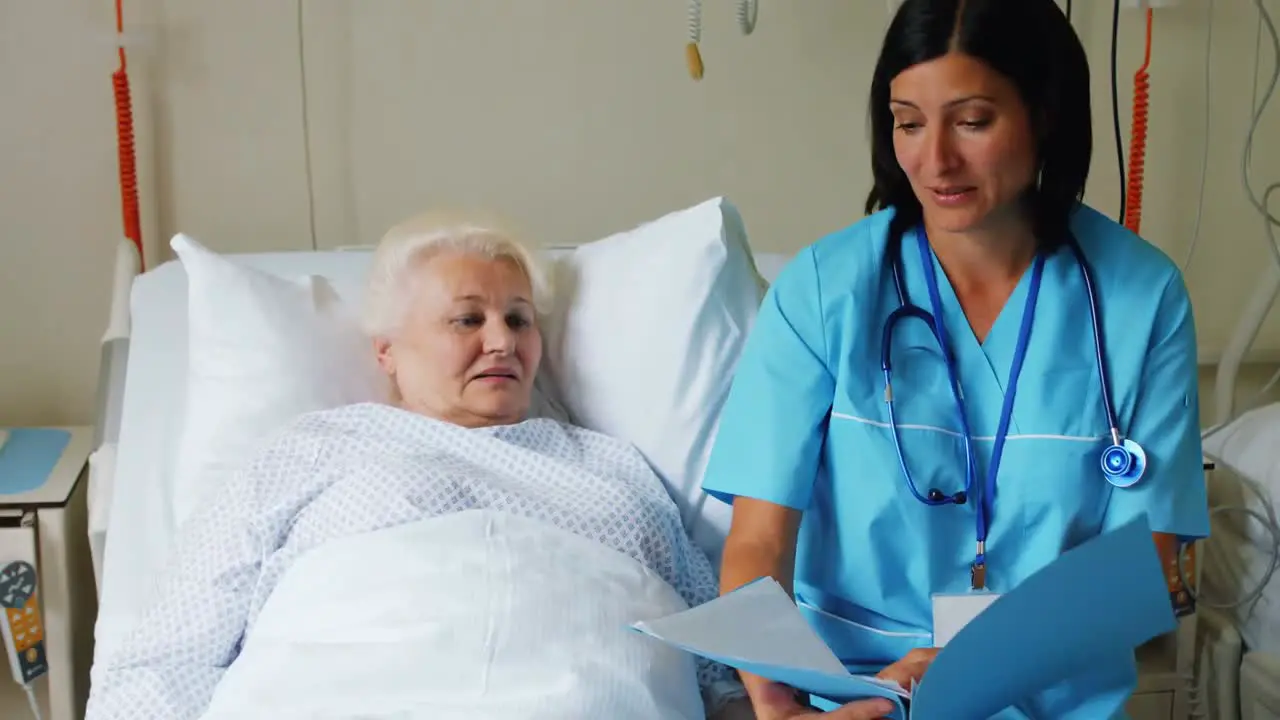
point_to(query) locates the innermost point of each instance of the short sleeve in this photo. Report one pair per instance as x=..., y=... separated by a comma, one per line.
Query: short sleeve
x=1166, y=423
x=773, y=422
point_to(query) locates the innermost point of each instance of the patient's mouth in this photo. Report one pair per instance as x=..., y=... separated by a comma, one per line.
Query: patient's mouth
x=497, y=376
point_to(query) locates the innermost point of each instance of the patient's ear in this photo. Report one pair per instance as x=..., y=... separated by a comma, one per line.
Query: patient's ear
x=386, y=358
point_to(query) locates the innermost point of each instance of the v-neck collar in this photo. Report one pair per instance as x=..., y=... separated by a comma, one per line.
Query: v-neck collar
x=998, y=347
x=984, y=367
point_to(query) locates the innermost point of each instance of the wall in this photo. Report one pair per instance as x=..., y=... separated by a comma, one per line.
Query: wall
x=57, y=201
x=287, y=125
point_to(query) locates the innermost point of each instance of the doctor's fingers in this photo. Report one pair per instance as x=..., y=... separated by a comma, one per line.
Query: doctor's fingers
x=774, y=701
x=876, y=709
x=910, y=668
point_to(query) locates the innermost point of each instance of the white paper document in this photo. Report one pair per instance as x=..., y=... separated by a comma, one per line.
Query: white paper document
x=758, y=629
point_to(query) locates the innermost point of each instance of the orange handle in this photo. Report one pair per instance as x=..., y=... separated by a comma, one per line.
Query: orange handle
x=693, y=58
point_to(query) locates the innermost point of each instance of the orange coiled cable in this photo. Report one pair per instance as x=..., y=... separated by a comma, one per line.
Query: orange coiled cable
x=124, y=143
x=1138, y=138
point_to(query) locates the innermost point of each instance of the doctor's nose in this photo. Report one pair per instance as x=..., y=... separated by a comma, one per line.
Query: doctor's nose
x=940, y=152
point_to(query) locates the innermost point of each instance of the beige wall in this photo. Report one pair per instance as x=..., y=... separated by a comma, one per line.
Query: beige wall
x=265, y=124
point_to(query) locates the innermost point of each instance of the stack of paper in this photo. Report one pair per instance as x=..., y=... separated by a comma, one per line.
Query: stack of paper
x=1101, y=599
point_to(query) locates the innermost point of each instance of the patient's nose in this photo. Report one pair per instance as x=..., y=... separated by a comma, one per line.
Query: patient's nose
x=499, y=338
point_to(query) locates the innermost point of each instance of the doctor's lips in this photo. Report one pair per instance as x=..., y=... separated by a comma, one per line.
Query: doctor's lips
x=947, y=195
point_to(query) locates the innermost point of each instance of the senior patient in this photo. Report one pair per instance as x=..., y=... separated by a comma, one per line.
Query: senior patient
x=453, y=310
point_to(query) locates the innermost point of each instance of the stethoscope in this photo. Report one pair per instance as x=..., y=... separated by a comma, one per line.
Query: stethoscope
x=1123, y=461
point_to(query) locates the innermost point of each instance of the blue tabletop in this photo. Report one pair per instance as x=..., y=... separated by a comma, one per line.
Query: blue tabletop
x=28, y=457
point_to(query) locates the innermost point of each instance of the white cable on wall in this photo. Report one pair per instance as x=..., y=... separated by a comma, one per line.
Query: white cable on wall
x=1204, y=151
x=748, y=10
x=1261, y=204
x=1267, y=518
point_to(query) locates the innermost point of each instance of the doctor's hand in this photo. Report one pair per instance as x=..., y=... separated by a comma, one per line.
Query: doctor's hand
x=773, y=701
x=910, y=668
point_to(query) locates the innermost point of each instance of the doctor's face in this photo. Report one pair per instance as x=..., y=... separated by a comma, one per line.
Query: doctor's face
x=963, y=137
x=468, y=346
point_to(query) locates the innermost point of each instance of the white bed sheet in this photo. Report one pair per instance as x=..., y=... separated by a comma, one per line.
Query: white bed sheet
x=1260, y=687
x=139, y=526
x=1236, y=557
x=1239, y=550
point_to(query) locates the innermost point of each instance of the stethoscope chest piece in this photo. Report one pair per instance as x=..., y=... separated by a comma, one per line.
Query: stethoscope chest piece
x=1124, y=464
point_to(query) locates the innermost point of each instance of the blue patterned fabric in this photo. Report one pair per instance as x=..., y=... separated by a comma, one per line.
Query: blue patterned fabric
x=361, y=468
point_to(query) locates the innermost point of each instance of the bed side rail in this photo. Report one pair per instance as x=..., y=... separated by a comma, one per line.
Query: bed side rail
x=110, y=401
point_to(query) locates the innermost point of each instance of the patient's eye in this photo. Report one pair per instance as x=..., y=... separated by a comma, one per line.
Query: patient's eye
x=471, y=320
x=518, y=321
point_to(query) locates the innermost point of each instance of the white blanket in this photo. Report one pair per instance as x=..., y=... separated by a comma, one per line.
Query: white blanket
x=476, y=615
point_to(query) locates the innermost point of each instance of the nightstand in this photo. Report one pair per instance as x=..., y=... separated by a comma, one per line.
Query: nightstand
x=1166, y=665
x=44, y=522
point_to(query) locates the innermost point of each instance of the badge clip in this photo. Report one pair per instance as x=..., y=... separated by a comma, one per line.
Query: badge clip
x=978, y=576
x=978, y=571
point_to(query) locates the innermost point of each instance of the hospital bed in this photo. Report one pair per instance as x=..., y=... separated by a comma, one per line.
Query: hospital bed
x=143, y=400
x=1238, y=664
x=141, y=408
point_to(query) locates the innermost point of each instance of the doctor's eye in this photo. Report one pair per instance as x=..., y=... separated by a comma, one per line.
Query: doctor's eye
x=975, y=124
x=906, y=127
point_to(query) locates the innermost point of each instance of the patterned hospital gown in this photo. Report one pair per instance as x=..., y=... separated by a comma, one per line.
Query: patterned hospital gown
x=364, y=467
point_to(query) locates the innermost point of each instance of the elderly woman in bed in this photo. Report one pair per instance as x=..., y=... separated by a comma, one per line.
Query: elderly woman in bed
x=438, y=555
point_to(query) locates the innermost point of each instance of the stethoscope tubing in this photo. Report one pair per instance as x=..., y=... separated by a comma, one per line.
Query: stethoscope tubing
x=907, y=309
x=1095, y=318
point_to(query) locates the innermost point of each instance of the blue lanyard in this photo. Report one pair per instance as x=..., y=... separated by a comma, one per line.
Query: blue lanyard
x=987, y=499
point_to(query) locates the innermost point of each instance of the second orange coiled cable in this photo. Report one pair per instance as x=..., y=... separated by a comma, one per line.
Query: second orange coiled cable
x=125, y=146
x=1138, y=138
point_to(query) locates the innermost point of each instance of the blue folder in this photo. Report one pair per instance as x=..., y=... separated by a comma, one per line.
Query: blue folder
x=1101, y=599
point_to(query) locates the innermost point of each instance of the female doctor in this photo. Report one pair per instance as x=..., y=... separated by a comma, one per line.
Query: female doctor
x=978, y=376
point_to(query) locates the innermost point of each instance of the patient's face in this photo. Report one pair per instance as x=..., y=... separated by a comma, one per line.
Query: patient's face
x=469, y=346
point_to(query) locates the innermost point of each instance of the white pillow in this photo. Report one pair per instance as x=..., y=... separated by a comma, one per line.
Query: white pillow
x=650, y=326
x=641, y=346
x=261, y=350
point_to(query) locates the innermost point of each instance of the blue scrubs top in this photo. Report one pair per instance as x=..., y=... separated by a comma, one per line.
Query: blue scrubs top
x=806, y=426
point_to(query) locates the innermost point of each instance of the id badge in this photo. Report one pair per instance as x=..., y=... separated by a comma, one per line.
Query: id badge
x=951, y=612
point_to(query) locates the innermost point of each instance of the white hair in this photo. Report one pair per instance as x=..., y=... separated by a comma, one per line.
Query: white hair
x=388, y=290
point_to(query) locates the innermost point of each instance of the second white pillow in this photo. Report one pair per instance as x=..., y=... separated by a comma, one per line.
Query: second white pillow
x=262, y=350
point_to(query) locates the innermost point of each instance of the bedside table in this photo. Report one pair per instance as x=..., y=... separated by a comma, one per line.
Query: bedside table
x=1166, y=665
x=44, y=522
